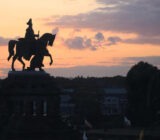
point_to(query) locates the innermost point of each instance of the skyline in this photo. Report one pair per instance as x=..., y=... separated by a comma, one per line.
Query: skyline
x=111, y=34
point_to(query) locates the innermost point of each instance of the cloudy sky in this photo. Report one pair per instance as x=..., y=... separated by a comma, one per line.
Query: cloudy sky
x=94, y=37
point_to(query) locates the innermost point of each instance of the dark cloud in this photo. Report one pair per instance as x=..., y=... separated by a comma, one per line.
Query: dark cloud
x=99, y=36
x=88, y=42
x=93, y=44
x=82, y=43
x=125, y=16
x=75, y=43
x=113, y=41
x=4, y=41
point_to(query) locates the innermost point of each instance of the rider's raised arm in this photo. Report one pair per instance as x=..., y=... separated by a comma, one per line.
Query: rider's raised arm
x=37, y=35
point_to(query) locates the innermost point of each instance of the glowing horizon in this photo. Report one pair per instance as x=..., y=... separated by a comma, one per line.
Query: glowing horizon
x=89, y=33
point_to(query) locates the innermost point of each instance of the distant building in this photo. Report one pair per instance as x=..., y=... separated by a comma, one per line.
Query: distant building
x=114, y=101
x=66, y=106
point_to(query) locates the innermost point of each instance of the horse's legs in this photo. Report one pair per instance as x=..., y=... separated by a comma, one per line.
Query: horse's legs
x=20, y=60
x=13, y=60
x=40, y=69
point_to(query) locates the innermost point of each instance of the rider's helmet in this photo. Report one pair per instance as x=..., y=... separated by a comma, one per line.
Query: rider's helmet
x=29, y=22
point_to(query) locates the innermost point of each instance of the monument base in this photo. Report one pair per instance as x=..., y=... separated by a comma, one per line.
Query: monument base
x=30, y=103
x=27, y=74
x=28, y=80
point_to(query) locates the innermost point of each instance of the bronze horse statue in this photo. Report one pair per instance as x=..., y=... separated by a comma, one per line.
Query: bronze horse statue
x=38, y=49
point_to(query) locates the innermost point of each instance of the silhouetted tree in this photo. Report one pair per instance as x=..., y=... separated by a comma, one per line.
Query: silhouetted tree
x=143, y=94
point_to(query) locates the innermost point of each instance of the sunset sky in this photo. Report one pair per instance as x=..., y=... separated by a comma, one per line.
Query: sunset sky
x=94, y=37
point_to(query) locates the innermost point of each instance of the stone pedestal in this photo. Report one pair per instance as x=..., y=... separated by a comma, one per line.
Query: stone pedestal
x=32, y=104
x=31, y=76
x=31, y=89
x=12, y=74
x=29, y=81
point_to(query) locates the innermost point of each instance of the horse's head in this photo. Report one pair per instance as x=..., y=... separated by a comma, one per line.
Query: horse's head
x=49, y=38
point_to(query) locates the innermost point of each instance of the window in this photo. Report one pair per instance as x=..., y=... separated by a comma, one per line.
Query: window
x=34, y=106
x=44, y=108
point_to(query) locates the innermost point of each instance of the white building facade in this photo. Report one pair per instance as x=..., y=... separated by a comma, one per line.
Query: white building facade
x=114, y=101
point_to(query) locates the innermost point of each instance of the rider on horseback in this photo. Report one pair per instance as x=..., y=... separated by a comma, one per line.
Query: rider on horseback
x=29, y=31
x=30, y=40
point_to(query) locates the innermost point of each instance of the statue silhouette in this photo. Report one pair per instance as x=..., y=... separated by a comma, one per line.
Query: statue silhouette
x=39, y=51
x=28, y=46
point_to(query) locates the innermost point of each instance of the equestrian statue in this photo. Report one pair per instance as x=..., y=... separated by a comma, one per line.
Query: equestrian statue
x=30, y=46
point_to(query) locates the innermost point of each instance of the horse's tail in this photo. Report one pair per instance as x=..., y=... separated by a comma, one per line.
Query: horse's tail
x=11, y=46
